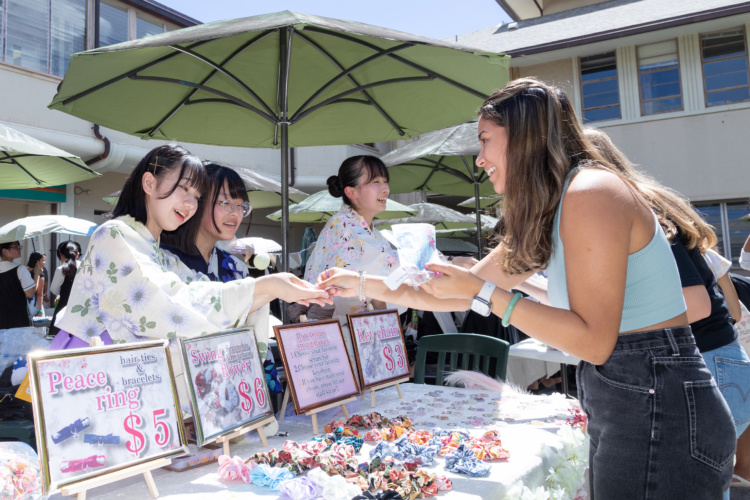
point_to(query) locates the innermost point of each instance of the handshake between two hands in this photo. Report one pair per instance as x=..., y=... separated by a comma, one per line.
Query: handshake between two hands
x=442, y=280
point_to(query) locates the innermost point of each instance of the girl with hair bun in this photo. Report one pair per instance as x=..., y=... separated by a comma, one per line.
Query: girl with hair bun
x=349, y=240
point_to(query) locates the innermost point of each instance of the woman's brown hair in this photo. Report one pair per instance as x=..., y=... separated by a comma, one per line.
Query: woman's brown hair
x=545, y=142
x=672, y=209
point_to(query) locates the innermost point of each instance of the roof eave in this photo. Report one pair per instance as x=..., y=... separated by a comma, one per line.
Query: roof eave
x=660, y=24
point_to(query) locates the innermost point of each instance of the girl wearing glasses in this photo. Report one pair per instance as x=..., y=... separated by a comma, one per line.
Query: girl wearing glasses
x=221, y=216
x=128, y=289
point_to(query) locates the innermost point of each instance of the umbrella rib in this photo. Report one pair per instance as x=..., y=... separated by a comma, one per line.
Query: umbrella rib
x=14, y=162
x=437, y=166
x=468, y=168
x=345, y=73
x=352, y=80
x=229, y=99
x=82, y=167
x=219, y=69
x=128, y=74
x=400, y=59
x=362, y=87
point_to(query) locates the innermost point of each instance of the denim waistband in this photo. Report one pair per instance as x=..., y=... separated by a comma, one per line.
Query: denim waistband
x=655, y=339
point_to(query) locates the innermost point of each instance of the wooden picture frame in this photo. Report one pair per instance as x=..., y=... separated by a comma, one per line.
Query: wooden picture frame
x=316, y=363
x=104, y=413
x=226, y=383
x=378, y=341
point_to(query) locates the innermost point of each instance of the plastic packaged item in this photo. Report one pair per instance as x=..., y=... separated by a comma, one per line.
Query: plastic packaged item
x=19, y=472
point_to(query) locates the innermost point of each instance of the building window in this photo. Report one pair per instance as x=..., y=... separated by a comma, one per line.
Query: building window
x=113, y=23
x=42, y=34
x=724, y=58
x=145, y=26
x=601, y=96
x=659, y=78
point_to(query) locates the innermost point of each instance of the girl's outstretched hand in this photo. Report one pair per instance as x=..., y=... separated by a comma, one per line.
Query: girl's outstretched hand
x=339, y=282
x=453, y=283
x=294, y=289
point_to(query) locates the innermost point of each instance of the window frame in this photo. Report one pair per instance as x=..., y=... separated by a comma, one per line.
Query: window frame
x=681, y=95
x=583, y=84
x=703, y=67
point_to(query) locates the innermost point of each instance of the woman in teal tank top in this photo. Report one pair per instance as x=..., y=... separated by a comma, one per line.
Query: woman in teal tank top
x=659, y=428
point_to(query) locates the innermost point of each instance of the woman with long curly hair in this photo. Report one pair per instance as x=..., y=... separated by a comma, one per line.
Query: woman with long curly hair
x=658, y=425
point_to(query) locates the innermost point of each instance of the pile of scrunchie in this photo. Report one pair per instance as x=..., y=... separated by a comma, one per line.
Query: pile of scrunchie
x=335, y=473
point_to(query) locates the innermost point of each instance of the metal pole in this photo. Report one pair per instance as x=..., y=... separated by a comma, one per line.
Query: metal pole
x=284, y=101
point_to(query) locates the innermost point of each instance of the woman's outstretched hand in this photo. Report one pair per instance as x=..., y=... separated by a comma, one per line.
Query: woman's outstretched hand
x=339, y=282
x=294, y=289
x=453, y=283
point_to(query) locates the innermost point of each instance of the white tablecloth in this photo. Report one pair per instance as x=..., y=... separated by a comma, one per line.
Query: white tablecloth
x=530, y=360
x=526, y=423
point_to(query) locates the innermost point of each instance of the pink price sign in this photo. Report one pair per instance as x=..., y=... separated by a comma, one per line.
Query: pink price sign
x=379, y=347
x=316, y=363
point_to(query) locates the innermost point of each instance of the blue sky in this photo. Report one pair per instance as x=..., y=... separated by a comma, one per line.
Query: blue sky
x=431, y=18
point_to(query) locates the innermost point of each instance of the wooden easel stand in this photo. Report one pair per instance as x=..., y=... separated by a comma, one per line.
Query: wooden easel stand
x=383, y=386
x=224, y=440
x=79, y=489
x=342, y=404
x=312, y=413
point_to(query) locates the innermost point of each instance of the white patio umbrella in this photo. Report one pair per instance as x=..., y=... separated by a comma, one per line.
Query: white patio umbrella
x=36, y=225
x=441, y=217
x=319, y=207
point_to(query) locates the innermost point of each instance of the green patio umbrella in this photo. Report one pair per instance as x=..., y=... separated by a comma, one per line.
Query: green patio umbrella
x=26, y=162
x=441, y=162
x=262, y=191
x=430, y=213
x=319, y=207
x=279, y=81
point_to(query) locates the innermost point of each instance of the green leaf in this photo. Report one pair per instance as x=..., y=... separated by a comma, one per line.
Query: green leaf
x=127, y=308
x=151, y=324
x=113, y=232
x=217, y=306
x=76, y=308
x=113, y=279
x=172, y=335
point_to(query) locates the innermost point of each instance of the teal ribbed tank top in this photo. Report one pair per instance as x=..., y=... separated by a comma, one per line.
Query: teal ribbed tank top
x=653, y=292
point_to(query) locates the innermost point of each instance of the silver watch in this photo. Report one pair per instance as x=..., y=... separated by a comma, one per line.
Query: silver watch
x=481, y=303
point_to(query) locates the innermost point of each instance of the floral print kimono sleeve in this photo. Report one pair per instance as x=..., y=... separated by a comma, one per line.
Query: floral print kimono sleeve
x=129, y=288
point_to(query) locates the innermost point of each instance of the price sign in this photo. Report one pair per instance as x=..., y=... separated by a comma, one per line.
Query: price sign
x=101, y=409
x=227, y=382
x=379, y=347
x=316, y=364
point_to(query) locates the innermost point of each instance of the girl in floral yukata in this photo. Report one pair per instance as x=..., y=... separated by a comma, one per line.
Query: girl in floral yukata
x=227, y=204
x=127, y=289
x=349, y=240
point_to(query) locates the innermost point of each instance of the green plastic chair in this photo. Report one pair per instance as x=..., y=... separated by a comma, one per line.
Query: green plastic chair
x=476, y=352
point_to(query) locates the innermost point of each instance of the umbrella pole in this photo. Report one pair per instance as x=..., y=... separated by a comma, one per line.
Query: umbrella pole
x=284, y=125
x=479, y=219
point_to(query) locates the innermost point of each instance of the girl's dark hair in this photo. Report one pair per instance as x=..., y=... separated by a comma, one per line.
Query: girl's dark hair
x=160, y=161
x=352, y=170
x=217, y=175
x=69, y=250
x=34, y=258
